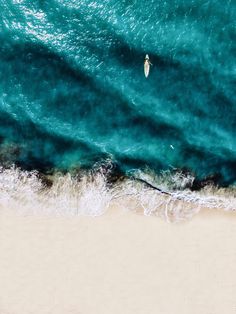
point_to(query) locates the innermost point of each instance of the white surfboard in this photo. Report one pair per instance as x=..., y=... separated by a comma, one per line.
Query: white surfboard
x=146, y=66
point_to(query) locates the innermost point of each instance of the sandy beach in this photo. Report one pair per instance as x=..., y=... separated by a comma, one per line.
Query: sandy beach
x=121, y=262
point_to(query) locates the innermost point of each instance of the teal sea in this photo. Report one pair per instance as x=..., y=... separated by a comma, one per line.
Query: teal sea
x=73, y=92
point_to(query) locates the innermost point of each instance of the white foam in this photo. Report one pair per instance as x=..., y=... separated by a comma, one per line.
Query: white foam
x=88, y=194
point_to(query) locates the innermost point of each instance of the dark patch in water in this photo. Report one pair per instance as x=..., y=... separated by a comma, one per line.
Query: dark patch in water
x=212, y=180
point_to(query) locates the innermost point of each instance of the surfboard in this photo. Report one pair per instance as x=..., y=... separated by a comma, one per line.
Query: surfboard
x=146, y=66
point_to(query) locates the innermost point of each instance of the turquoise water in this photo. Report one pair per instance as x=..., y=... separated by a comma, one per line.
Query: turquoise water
x=73, y=91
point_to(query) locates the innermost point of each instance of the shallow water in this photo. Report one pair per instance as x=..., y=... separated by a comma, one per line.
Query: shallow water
x=73, y=91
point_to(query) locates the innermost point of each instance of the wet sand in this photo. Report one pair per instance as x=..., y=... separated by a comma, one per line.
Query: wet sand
x=121, y=262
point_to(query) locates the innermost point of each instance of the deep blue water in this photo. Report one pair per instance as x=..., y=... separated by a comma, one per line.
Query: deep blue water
x=73, y=91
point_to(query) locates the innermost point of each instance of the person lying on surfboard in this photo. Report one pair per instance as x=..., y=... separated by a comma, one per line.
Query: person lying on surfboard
x=147, y=64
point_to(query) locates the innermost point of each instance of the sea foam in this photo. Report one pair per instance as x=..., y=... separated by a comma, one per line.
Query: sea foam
x=89, y=193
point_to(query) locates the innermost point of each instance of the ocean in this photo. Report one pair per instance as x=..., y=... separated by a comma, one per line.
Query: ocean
x=80, y=121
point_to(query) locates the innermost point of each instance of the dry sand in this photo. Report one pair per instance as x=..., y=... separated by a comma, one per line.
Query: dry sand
x=121, y=262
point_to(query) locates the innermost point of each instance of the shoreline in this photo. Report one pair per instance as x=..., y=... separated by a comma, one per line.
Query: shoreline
x=92, y=193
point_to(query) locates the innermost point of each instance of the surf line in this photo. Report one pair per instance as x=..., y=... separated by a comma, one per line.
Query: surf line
x=147, y=64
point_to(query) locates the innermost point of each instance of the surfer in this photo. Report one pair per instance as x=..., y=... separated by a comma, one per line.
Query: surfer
x=147, y=64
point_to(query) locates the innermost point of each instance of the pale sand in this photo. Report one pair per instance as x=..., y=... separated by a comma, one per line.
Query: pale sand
x=120, y=263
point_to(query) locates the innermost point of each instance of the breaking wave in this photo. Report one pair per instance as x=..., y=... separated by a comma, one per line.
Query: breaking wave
x=92, y=193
